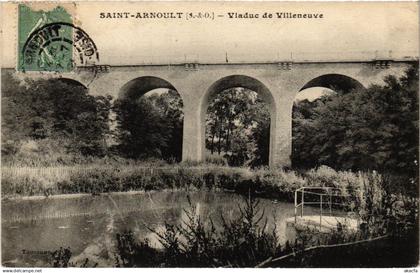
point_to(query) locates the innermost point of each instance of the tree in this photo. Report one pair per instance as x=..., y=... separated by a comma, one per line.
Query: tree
x=170, y=103
x=237, y=127
x=366, y=129
x=55, y=109
x=151, y=126
x=260, y=133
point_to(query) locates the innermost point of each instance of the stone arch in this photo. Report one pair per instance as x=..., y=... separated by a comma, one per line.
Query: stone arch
x=69, y=81
x=340, y=84
x=337, y=82
x=139, y=86
x=136, y=88
x=244, y=82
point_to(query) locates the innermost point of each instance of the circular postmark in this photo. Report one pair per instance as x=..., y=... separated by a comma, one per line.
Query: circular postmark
x=58, y=47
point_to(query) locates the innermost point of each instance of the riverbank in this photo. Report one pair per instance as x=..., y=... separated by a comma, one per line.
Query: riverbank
x=98, y=190
x=95, y=179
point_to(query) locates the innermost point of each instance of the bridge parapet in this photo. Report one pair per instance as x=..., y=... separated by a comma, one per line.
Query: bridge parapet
x=269, y=57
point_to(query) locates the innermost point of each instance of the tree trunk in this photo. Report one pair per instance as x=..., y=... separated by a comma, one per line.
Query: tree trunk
x=227, y=139
x=219, y=144
x=213, y=135
x=212, y=144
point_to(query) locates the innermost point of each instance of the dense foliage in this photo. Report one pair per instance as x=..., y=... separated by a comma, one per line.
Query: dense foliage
x=44, y=116
x=238, y=126
x=150, y=126
x=365, y=129
x=57, y=120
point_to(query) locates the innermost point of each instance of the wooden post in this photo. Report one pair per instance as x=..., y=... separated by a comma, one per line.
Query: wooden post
x=330, y=203
x=295, y=205
x=301, y=211
x=320, y=215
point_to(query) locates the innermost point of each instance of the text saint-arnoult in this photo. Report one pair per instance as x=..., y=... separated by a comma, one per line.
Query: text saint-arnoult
x=141, y=15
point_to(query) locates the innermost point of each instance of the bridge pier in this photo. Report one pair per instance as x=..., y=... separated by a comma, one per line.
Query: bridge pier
x=193, y=137
x=281, y=137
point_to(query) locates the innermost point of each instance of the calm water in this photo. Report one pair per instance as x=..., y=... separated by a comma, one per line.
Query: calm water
x=88, y=224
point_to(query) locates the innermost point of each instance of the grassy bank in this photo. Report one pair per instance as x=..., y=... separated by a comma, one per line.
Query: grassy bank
x=116, y=177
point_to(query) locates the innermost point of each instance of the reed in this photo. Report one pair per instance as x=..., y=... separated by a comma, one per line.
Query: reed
x=100, y=177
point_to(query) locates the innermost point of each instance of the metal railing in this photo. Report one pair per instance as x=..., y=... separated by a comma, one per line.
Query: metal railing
x=324, y=196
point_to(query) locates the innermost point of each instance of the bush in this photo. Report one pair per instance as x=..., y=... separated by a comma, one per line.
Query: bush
x=244, y=241
x=216, y=159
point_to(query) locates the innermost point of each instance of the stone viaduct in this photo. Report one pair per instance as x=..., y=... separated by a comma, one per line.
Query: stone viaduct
x=278, y=83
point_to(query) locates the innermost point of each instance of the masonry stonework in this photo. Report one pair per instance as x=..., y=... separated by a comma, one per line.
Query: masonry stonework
x=197, y=84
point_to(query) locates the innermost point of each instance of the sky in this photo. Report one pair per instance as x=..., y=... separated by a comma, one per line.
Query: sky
x=313, y=93
x=347, y=30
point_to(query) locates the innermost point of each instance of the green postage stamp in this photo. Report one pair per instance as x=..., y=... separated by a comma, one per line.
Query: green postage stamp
x=48, y=41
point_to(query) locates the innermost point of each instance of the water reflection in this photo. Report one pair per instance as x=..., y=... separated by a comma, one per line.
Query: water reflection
x=88, y=225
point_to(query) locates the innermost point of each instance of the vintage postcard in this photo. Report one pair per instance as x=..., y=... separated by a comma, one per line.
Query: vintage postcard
x=209, y=134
